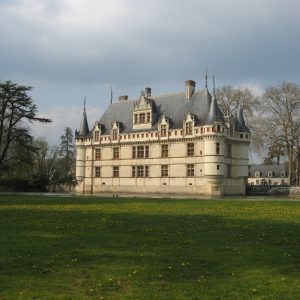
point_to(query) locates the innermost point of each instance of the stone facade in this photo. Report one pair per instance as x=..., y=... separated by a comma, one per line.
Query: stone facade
x=268, y=174
x=170, y=144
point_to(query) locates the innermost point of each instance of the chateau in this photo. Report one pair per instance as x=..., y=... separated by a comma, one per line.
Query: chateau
x=178, y=143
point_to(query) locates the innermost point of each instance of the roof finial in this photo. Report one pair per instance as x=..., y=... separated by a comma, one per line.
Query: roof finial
x=111, y=95
x=84, y=102
x=206, y=79
x=214, y=87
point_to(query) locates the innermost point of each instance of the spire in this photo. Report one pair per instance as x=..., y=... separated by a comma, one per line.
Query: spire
x=84, y=127
x=206, y=86
x=111, y=95
x=214, y=113
x=241, y=125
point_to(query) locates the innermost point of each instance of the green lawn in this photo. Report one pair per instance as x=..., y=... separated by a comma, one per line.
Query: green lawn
x=93, y=248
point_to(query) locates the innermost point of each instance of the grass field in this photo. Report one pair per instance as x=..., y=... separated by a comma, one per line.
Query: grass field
x=91, y=248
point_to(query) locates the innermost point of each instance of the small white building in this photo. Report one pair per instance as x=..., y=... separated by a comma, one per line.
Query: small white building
x=268, y=175
x=178, y=143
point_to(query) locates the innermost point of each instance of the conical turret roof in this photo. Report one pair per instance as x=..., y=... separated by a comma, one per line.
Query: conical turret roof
x=240, y=121
x=214, y=112
x=84, y=126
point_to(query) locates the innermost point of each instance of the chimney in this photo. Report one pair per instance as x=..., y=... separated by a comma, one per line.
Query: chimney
x=189, y=89
x=148, y=91
x=122, y=98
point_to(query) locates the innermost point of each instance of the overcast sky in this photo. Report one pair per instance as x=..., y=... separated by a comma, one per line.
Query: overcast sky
x=69, y=49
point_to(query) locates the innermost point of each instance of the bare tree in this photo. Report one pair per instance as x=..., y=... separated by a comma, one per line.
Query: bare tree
x=229, y=98
x=281, y=109
x=46, y=161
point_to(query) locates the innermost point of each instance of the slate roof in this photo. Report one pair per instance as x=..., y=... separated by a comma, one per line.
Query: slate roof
x=84, y=126
x=173, y=106
x=214, y=114
x=240, y=124
x=264, y=169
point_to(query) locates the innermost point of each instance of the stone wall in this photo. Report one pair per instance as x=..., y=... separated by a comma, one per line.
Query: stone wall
x=267, y=190
x=294, y=192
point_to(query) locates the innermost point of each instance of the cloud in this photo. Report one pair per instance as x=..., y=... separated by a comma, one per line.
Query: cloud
x=120, y=41
x=63, y=117
x=68, y=49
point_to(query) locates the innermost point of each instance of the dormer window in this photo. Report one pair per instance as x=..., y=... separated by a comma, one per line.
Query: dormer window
x=188, y=124
x=115, y=134
x=270, y=174
x=142, y=113
x=188, y=128
x=142, y=118
x=115, y=130
x=282, y=174
x=163, y=126
x=257, y=174
x=163, y=130
x=96, y=136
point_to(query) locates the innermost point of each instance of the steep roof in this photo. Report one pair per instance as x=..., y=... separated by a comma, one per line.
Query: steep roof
x=214, y=113
x=240, y=124
x=174, y=106
x=84, y=126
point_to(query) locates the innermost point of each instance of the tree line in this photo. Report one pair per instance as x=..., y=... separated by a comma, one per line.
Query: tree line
x=273, y=118
x=274, y=121
x=28, y=163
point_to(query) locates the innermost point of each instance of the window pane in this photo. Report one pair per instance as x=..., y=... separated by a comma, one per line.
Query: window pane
x=97, y=154
x=164, y=150
x=97, y=172
x=115, y=171
x=190, y=149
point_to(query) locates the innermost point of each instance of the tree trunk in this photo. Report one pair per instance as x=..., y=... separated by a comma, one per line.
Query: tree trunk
x=298, y=166
x=290, y=171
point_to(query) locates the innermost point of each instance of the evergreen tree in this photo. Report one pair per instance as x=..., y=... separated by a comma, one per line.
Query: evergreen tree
x=16, y=111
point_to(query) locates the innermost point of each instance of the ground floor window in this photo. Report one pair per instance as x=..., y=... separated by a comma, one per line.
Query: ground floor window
x=190, y=170
x=97, y=171
x=115, y=171
x=140, y=171
x=164, y=171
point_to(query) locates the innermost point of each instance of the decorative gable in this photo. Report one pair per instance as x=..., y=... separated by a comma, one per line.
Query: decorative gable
x=143, y=113
x=188, y=124
x=115, y=130
x=163, y=126
x=97, y=131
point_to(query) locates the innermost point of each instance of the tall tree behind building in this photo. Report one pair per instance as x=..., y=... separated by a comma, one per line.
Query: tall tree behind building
x=16, y=112
x=67, y=152
x=46, y=165
x=229, y=98
x=281, y=118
